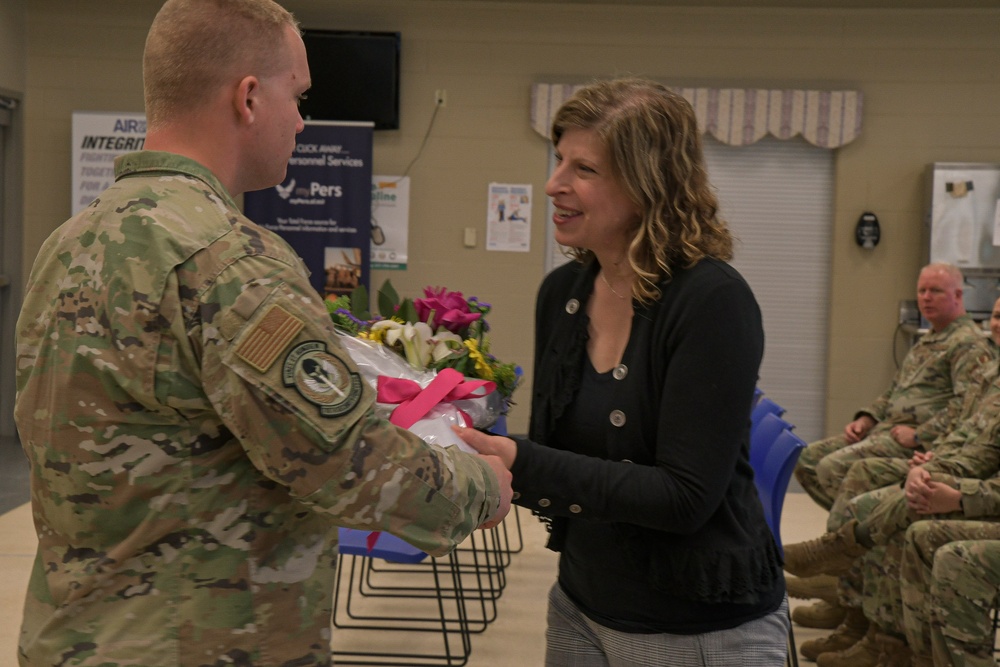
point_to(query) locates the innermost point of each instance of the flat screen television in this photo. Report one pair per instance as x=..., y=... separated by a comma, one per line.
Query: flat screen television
x=355, y=76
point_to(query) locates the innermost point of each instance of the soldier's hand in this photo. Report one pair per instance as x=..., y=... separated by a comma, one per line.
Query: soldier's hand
x=906, y=436
x=484, y=443
x=942, y=499
x=858, y=429
x=506, y=492
x=916, y=487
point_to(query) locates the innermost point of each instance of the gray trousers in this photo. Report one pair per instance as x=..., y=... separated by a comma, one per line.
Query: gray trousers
x=573, y=640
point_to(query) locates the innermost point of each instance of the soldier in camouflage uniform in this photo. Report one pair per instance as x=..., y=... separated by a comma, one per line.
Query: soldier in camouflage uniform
x=867, y=547
x=196, y=434
x=970, y=450
x=938, y=383
x=950, y=572
x=939, y=376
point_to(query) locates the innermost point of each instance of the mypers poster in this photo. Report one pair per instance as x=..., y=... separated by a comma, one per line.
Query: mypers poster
x=323, y=207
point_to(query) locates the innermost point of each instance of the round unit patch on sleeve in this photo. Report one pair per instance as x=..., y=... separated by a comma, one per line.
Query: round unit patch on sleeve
x=322, y=378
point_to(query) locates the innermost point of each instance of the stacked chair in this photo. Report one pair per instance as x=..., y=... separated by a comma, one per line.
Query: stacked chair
x=428, y=602
x=430, y=606
x=774, y=450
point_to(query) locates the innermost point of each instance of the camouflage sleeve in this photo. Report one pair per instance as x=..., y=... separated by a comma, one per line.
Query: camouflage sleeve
x=973, y=448
x=970, y=376
x=880, y=405
x=975, y=461
x=981, y=498
x=293, y=397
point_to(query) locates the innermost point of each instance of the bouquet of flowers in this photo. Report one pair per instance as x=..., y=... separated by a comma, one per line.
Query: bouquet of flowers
x=418, y=339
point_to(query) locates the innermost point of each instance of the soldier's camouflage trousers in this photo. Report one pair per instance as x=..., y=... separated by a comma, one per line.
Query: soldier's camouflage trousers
x=949, y=575
x=823, y=465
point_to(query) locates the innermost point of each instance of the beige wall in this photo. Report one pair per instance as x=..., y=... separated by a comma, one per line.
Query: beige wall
x=12, y=66
x=929, y=79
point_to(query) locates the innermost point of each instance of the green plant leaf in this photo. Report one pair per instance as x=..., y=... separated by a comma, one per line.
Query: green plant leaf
x=407, y=311
x=334, y=305
x=359, y=303
x=388, y=299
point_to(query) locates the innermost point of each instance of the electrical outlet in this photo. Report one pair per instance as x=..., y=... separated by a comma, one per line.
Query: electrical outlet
x=440, y=98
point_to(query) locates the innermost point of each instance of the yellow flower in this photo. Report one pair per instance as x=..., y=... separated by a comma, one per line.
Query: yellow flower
x=483, y=368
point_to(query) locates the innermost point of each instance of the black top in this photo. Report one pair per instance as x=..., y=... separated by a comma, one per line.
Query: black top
x=644, y=471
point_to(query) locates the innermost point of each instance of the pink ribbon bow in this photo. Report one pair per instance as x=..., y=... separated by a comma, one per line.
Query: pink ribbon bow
x=414, y=402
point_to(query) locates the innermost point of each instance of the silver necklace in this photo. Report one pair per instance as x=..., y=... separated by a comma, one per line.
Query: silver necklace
x=613, y=290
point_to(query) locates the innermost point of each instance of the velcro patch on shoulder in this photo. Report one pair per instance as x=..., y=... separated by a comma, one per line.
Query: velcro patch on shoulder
x=322, y=378
x=269, y=337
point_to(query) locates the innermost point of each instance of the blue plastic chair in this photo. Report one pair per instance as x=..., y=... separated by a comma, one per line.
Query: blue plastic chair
x=763, y=435
x=772, y=473
x=764, y=406
x=387, y=547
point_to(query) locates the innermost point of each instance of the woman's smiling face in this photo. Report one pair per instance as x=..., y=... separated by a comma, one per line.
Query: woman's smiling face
x=592, y=209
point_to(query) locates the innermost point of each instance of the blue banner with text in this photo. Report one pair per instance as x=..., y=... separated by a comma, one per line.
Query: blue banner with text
x=323, y=207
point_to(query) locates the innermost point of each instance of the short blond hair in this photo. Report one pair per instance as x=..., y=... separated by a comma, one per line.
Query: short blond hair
x=195, y=46
x=950, y=270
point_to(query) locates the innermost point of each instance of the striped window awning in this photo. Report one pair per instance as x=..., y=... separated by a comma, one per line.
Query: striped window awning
x=741, y=116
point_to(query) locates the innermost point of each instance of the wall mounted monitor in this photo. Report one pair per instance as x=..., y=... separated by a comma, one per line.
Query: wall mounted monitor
x=355, y=76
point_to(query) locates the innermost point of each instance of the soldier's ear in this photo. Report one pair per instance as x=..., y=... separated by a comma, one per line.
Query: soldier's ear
x=246, y=97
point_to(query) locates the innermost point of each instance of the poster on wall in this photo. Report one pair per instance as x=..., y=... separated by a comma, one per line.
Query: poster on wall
x=508, y=217
x=98, y=138
x=390, y=221
x=323, y=208
x=963, y=208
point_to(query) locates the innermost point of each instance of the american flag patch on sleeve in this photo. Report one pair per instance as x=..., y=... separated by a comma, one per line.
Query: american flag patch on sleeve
x=272, y=334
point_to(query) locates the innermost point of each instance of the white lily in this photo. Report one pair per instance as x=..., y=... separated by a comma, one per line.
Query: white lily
x=417, y=344
x=445, y=342
x=416, y=340
x=393, y=329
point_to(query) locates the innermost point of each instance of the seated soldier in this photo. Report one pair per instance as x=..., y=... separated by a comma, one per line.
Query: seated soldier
x=872, y=527
x=924, y=398
x=836, y=478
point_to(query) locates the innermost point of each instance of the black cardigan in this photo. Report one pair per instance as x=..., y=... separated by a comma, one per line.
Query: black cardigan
x=677, y=484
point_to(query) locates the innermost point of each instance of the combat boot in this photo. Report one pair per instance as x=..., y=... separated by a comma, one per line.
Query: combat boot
x=892, y=651
x=845, y=636
x=821, y=587
x=863, y=654
x=820, y=614
x=831, y=554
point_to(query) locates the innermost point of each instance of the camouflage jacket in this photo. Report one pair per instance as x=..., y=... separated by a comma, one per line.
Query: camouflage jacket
x=940, y=376
x=972, y=447
x=196, y=435
x=981, y=498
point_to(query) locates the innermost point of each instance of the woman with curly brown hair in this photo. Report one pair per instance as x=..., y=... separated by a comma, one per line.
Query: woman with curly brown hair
x=647, y=351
